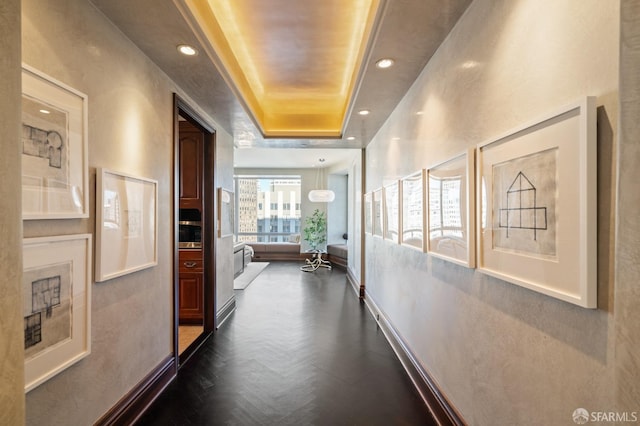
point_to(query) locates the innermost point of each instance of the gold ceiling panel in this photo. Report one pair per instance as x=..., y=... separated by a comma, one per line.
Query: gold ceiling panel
x=294, y=64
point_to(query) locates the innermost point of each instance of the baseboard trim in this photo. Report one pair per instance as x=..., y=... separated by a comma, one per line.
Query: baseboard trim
x=439, y=406
x=131, y=406
x=225, y=312
x=351, y=278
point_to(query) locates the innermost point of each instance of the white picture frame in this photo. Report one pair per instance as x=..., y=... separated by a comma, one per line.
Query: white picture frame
x=126, y=224
x=392, y=212
x=225, y=213
x=413, y=217
x=56, y=305
x=450, y=192
x=368, y=213
x=378, y=213
x=536, y=205
x=54, y=148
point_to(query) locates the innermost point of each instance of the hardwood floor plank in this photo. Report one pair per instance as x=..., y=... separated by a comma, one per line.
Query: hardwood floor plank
x=300, y=349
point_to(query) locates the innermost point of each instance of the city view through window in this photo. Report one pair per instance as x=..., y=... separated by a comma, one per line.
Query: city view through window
x=268, y=208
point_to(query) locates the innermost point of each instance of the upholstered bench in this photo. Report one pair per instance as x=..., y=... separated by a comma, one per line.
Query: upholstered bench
x=338, y=254
x=265, y=252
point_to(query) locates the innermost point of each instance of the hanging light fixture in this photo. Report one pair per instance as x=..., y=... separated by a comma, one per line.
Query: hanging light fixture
x=321, y=195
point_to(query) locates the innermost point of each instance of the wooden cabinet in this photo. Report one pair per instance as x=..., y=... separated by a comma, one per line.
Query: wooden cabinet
x=191, y=166
x=191, y=278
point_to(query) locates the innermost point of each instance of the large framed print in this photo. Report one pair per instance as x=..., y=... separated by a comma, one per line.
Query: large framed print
x=537, y=205
x=225, y=213
x=451, y=214
x=413, y=218
x=126, y=224
x=378, y=213
x=54, y=149
x=368, y=215
x=56, y=305
x=392, y=212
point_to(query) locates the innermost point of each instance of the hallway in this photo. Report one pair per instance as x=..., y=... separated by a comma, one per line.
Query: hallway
x=300, y=349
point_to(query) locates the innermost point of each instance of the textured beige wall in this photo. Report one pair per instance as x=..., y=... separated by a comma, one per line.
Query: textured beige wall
x=130, y=130
x=505, y=355
x=11, y=322
x=627, y=271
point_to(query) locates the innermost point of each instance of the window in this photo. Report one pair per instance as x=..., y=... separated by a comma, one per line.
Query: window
x=264, y=208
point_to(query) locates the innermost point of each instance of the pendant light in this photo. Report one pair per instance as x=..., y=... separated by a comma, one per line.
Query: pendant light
x=321, y=195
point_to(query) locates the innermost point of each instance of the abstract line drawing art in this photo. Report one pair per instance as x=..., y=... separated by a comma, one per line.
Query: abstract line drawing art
x=47, y=307
x=525, y=200
x=44, y=140
x=32, y=329
x=522, y=211
x=45, y=294
x=56, y=304
x=53, y=144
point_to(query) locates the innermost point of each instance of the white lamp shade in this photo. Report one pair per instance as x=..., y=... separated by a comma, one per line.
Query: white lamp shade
x=321, y=195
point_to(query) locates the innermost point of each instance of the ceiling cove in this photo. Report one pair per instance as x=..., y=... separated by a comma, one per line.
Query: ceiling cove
x=295, y=66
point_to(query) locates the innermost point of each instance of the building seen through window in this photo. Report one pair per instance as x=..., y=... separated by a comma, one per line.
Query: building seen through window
x=268, y=208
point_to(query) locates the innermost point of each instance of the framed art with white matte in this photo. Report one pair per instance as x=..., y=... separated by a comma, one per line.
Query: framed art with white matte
x=392, y=212
x=368, y=216
x=126, y=224
x=225, y=213
x=56, y=305
x=413, y=218
x=450, y=203
x=54, y=149
x=536, y=203
x=378, y=213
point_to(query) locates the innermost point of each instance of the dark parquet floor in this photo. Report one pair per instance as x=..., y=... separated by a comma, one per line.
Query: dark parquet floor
x=301, y=349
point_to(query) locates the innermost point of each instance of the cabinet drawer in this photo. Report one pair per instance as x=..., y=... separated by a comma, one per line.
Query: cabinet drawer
x=190, y=261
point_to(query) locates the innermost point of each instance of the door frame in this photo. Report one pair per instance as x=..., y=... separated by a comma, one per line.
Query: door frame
x=209, y=242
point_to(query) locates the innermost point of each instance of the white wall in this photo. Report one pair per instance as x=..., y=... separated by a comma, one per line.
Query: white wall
x=130, y=104
x=337, y=210
x=502, y=354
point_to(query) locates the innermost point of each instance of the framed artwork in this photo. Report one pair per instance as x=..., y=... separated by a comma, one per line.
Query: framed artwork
x=54, y=149
x=537, y=207
x=368, y=216
x=451, y=214
x=413, y=201
x=392, y=212
x=56, y=305
x=378, y=213
x=225, y=213
x=126, y=224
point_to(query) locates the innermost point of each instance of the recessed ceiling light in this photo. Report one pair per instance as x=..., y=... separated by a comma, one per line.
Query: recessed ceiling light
x=385, y=63
x=185, y=49
x=364, y=112
x=44, y=111
x=351, y=138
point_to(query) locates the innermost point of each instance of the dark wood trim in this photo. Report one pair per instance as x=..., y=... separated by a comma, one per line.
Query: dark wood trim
x=192, y=348
x=176, y=236
x=210, y=240
x=209, y=249
x=225, y=311
x=442, y=410
x=137, y=400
